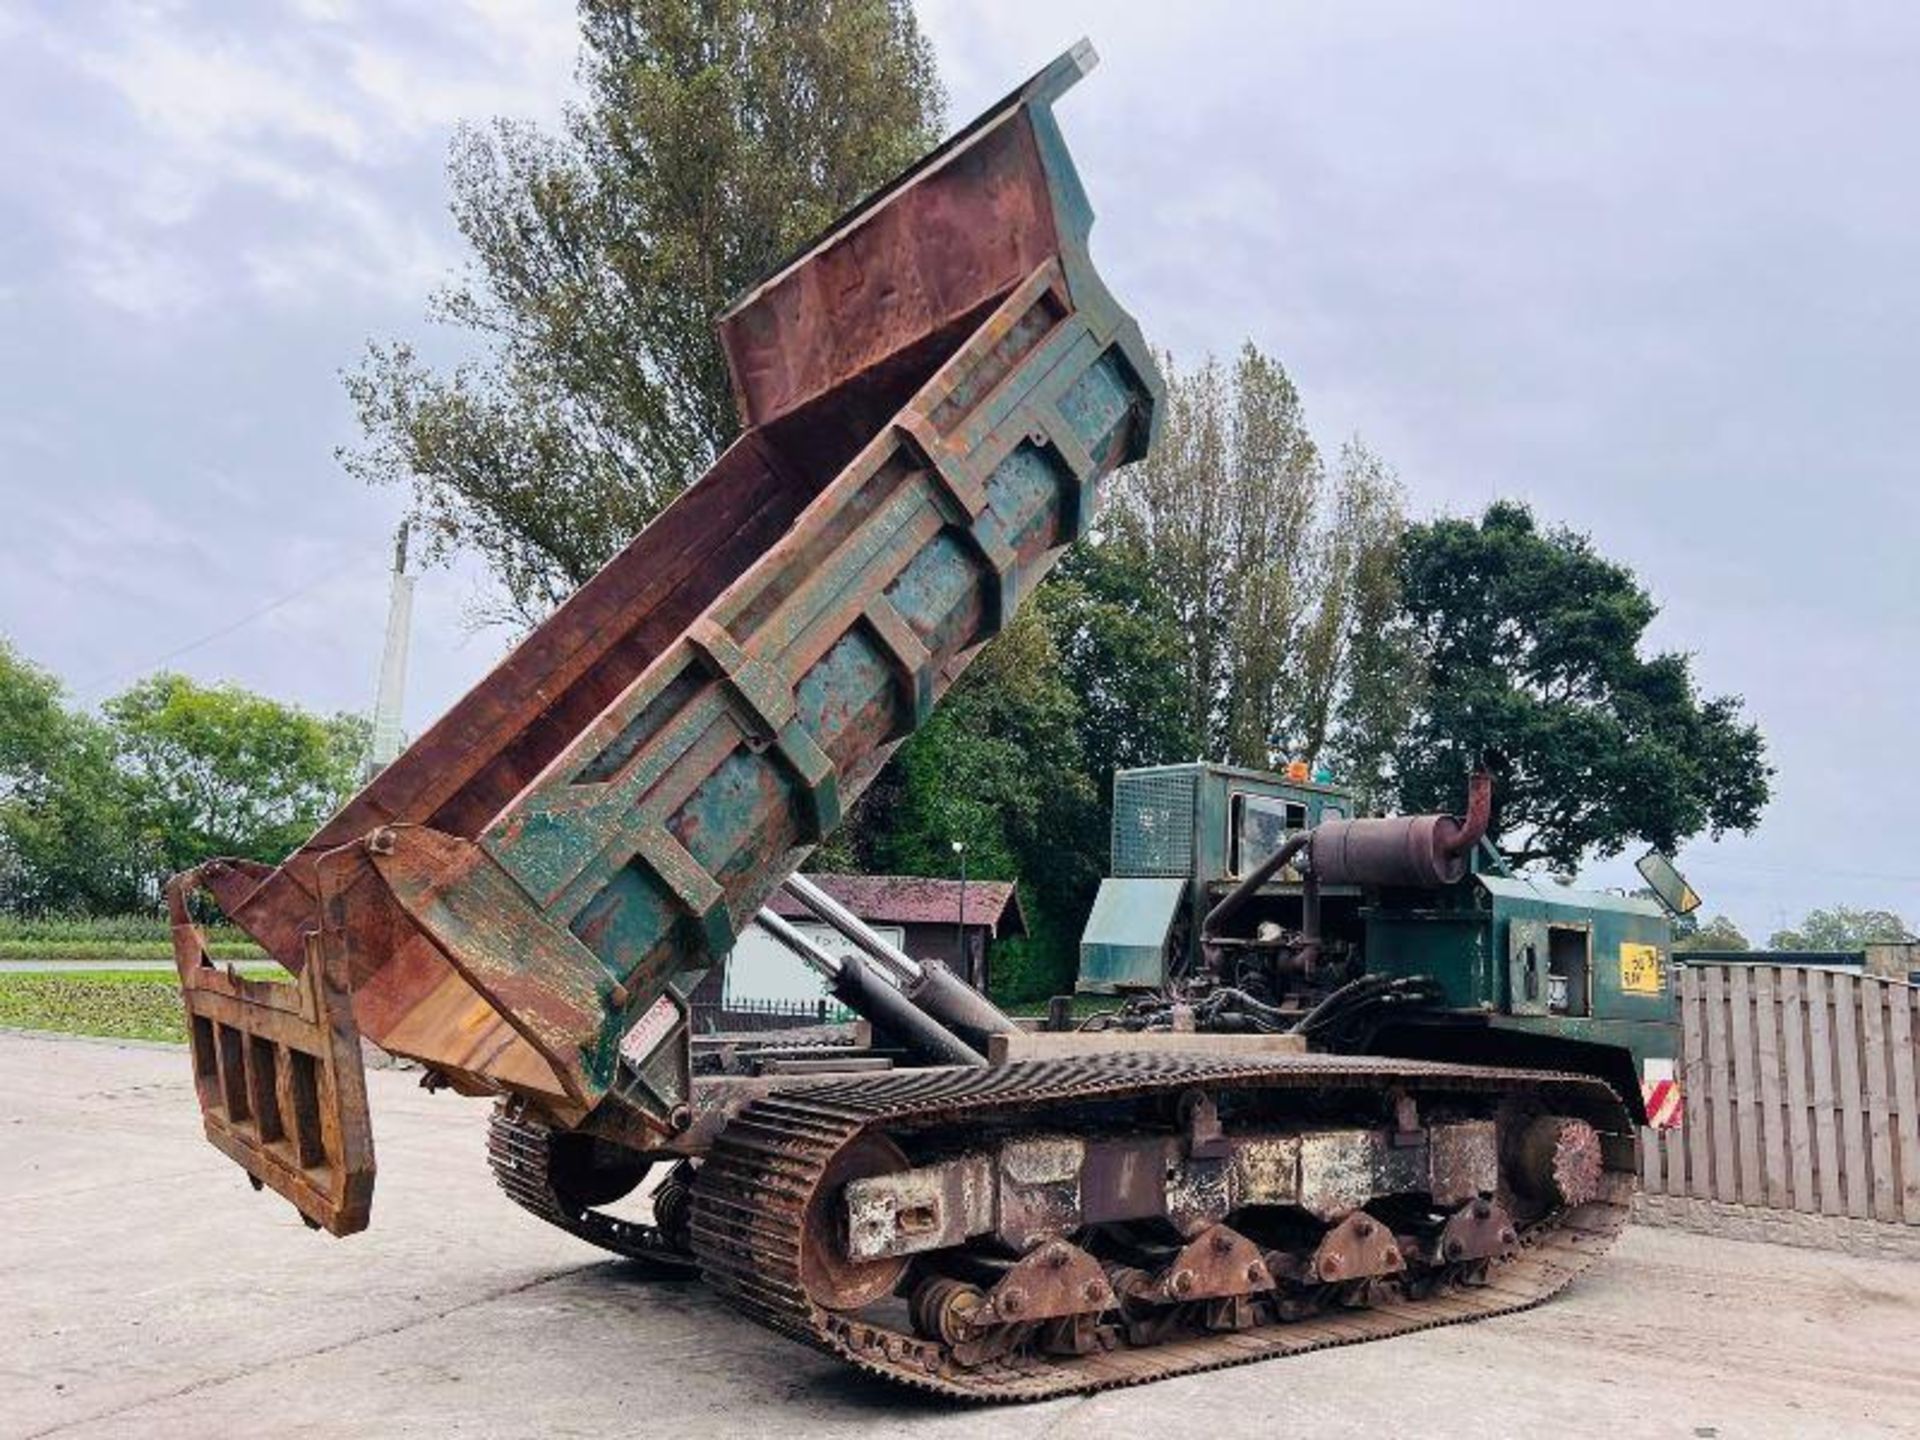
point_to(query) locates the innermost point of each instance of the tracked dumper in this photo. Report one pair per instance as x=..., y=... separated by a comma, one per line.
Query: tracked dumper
x=523, y=902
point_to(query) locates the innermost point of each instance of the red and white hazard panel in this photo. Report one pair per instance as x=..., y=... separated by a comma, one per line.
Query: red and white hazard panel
x=1661, y=1093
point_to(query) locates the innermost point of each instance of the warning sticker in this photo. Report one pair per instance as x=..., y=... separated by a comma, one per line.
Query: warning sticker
x=1660, y=1091
x=648, y=1031
x=1641, y=972
x=1662, y=1098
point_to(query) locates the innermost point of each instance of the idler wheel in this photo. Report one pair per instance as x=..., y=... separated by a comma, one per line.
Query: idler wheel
x=673, y=1207
x=1561, y=1161
x=834, y=1281
x=943, y=1308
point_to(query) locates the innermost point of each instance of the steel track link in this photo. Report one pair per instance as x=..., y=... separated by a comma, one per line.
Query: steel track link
x=518, y=1155
x=751, y=1197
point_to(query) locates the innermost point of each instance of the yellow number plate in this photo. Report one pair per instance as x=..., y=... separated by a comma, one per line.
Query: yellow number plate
x=1640, y=969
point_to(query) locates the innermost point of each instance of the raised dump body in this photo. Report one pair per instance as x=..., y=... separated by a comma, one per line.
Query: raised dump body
x=523, y=900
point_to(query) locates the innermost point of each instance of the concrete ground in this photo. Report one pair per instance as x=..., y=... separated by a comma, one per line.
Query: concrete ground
x=146, y=1290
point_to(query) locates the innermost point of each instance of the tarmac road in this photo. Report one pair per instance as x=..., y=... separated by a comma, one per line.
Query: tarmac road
x=146, y=1290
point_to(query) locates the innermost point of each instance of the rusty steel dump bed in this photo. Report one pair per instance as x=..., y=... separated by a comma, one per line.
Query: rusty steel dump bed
x=524, y=899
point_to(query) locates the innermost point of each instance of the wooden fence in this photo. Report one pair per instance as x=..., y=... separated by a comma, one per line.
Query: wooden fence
x=1800, y=1092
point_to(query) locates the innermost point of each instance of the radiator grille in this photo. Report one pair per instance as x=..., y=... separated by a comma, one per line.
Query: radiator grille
x=1153, y=822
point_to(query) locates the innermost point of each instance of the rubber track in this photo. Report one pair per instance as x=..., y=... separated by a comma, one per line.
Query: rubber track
x=750, y=1199
x=517, y=1153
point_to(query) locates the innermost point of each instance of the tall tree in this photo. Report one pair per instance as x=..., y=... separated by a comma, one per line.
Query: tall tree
x=1386, y=682
x=1528, y=643
x=1273, y=484
x=1345, y=678
x=995, y=767
x=32, y=721
x=1843, y=928
x=1270, y=568
x=712, y=138
x=217, y=770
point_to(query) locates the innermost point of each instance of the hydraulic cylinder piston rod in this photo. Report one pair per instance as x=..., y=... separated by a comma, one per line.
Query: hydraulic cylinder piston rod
x=902, y=966
x=956, y=1005
x=823, y=963
x=867, y=993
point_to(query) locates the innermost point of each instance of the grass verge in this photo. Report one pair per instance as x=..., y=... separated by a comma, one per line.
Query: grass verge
x=84, y=950
x=110, y=937
x=121, y=1004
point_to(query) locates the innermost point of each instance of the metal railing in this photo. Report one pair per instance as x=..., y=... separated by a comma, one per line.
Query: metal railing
x=753, y=1015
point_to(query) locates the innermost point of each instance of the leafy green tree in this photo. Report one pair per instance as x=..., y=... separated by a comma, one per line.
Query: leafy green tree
x=1718, y=933
x=65, y=840
x=1017, y=762
x=1528, y=644
x=1120, y=656
x=1843, y=928
x=712, y=138
x=999, y=767
x=33, y=721
x=217, y=770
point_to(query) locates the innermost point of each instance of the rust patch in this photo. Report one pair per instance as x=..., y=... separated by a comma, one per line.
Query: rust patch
x=832, y=1276
x=1561, y=1160
x=1056, y=1279
x=1341, y=1170
x=1266, y=1171
x=1217, y=1262
x=1039, y=1189
x=1465, y=1160
x=927, y=1208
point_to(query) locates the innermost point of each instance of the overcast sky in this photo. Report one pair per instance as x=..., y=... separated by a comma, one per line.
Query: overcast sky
x=1652, y=268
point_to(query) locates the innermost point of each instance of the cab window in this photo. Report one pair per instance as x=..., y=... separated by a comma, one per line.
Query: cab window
x=1261, y=825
